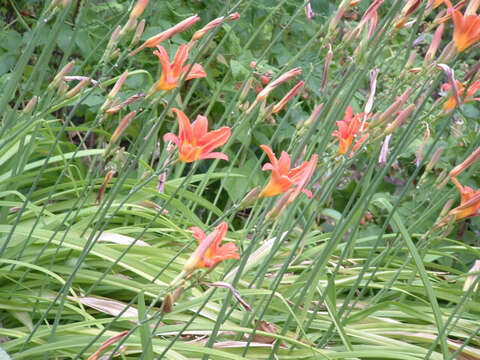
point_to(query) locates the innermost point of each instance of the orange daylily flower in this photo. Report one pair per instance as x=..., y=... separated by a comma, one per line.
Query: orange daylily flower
x=435, y=3
x=171, y=72
x=215, y=253
x=471, y=91
x=348, y=129
x=466, y=28
x=469, y=202
x=283, y=177
x=194, y=142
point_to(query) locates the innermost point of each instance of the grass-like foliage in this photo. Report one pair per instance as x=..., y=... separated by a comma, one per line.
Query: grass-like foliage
x=239, y=179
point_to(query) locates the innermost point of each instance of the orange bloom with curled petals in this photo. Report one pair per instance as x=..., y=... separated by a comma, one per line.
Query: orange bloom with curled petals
x=172, y=72
x=194, y=142
x=348, y=128
x=283, y=176
x=469, y=202
x=471, y=91
x=466, y=28
x=215, y=253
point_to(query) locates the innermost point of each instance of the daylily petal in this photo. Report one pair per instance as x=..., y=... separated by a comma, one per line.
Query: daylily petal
x=296, y=173
x=225, y=252
x=163, y=57
x=270, y=154
x=184, y=126
x=194, y=141
x=267, y=166
x=214, y=155
x=221, y=231
x=196, y=71
x=277, y=185
x=308, y=193
x=198, y=233
x=173, y=138
x=200, y=126
x=348, y=128
x=180, y=58
x=215, y=253
x=215, y=138
x=348, y=114
x=284, y=163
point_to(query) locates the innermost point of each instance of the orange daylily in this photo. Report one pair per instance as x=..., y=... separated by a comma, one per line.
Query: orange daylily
x=472, y=89
x=215, y=253
x=194, y=142
x=348, y=129
x=172, y=72
x=469, y=202
x=283, y=177
x=466, y=28
x=435, y=3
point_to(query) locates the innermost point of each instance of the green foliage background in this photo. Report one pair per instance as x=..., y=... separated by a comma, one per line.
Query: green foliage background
x=328, y=284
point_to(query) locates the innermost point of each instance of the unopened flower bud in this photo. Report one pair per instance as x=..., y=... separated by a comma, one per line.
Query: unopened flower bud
x=338, y=15
x=139, y=8
x=472, y=277
x=411, y=60
x=177, y=293
x=309, y=12
x=314, y=115
x=382, y=159
x=262, y=95
x=119, y=130
x=59, y=77
x=114, y=38
x=250, y=198
x=446, y=208
x=114, y=92
x=106, y=181
x=449, y=51
x=30, y=105
x=79, y=87
x=326, y=66
x=265, y=79
x=401, y=118
x=246, y=89
x=433, y=161
x=62, y=88
x=167, y=304
x=178, y=28
x=373, y=88
x=419, y=153
x=432, y=49
x=392, y=109
x=274, y=84
x=138, y=32
x=116, y=107
x=289, y=96
x=457, y=170
x=213, y=24
x=279, y=206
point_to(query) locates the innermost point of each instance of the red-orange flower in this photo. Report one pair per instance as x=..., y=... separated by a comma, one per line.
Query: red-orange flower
x=194, y=142
x=434, y=3
x=215, y=253
x=172, y=72
x=466, y=28
x=469, y=202
x=471, y=91
x=283, y=177
x=348, y=129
